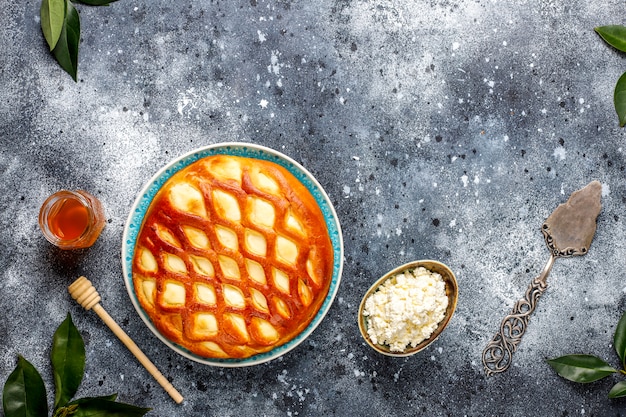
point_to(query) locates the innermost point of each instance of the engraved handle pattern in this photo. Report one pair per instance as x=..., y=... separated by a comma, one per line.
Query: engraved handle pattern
x=497, y=356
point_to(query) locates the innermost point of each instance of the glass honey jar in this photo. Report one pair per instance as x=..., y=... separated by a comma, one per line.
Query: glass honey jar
x=71, y=219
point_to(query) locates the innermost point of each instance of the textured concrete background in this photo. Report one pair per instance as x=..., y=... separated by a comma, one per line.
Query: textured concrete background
x=440, y=129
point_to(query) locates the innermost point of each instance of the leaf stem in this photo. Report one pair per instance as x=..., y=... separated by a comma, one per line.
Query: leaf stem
x=66, y=411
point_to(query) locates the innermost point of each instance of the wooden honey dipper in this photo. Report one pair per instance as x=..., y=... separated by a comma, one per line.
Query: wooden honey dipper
x=86, y=295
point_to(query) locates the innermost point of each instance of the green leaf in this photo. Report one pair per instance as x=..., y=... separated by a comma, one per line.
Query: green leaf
x=68, y=361
x=70, y=408
x=52, y=14
x=96, y=2
x=24, y=393
x=619, y=99
x=619, y=338
x=111, y=397
x=614, y=35
x=66, y=49
x=103, y=407
x=618, y=390
x=581, y=368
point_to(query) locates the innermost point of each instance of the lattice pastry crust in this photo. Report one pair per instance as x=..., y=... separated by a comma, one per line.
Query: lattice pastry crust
x=233, y=257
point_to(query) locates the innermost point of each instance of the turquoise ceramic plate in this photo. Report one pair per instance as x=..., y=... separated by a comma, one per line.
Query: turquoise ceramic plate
x=138, y=211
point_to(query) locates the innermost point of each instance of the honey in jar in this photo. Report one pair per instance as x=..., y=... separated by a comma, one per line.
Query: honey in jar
x=71, y=219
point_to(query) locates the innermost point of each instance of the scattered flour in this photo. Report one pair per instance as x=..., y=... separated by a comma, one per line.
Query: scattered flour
x=559, y=153
x=606, y=190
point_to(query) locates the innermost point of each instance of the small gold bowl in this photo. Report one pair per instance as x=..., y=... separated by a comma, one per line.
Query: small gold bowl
x=452, y=292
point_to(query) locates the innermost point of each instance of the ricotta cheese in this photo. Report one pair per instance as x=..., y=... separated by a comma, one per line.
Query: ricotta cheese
x=406, y=309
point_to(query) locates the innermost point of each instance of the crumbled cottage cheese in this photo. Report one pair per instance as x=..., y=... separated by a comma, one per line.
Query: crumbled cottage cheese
x=406, y=309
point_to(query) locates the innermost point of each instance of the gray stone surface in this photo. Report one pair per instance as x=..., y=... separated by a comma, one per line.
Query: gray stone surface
x=446, y=130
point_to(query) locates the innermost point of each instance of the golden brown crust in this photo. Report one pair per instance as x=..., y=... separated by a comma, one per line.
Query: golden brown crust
x=233, y=257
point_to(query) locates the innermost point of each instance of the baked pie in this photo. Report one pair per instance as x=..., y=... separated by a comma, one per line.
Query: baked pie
x=233, y=257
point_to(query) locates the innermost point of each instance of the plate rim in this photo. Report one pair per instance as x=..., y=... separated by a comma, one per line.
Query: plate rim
x=149, y=190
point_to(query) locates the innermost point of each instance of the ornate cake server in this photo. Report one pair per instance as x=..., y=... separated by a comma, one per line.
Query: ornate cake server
x=568, y=231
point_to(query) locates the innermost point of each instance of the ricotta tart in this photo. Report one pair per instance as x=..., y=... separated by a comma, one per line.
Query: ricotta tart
x=233, y=257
